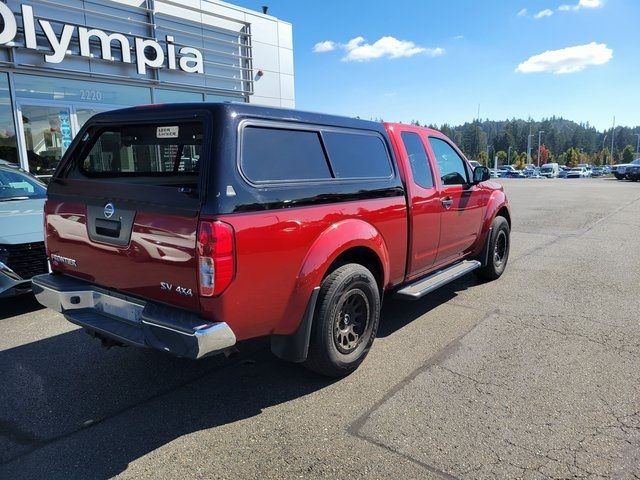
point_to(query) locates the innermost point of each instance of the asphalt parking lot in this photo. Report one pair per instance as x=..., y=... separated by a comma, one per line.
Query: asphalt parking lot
x=536, y=375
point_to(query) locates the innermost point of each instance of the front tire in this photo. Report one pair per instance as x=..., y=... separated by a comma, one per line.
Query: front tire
x=345, y=322
x=499, y=244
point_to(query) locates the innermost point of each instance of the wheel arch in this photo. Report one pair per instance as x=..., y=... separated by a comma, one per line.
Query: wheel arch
x=498, y=205
x=361, y=255
x=504, y=212
x=343, y=242
x=348, y=241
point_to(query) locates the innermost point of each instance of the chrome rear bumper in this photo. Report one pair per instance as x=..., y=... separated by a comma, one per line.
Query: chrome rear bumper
x=132, y=321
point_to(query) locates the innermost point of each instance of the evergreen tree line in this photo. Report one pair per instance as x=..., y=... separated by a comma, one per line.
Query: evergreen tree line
x=563, y=141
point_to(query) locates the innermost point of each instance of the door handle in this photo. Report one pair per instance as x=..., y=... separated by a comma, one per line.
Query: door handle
x=447, y=202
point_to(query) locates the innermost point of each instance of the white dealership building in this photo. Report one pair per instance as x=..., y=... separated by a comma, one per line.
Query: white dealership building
x=62, y=61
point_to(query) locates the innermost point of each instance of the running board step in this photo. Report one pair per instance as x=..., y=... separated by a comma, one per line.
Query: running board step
x=421, y=287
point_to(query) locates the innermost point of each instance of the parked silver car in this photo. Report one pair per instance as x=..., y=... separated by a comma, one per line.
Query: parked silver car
x=22, y=252
x=579, y=172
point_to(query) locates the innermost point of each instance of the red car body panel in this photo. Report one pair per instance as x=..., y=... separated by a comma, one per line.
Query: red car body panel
x=281, y=255
x=461, y=231
x=424, y=208
x=161, y=246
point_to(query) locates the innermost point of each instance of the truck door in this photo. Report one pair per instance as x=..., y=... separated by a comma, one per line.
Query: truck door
x=461, y=203
x=424, y=203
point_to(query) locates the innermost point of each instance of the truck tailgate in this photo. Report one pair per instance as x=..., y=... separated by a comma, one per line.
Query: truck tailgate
x=157, y=263
x=122, y=212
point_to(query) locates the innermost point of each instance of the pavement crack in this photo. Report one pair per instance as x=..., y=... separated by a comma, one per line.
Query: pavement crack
x=567, y=333
x=355, y=428
x=577, y=233
x=471, y=379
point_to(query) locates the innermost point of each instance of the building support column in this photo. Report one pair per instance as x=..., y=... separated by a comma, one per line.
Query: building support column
x=21, y=143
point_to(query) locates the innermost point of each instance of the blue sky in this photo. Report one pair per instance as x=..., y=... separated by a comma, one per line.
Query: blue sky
x=445, y=58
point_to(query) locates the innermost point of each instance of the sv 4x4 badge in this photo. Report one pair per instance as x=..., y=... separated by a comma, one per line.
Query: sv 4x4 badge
x=187, y=292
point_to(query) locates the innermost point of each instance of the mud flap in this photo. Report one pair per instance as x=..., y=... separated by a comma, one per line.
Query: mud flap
x=294, y=347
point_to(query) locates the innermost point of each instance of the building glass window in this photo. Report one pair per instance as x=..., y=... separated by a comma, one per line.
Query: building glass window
x=47, y=134
x=224, y=98
x=83, y=114
x=79, y=91
x=8, y=144
x=175, y=96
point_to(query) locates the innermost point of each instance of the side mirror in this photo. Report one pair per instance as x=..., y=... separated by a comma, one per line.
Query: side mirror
x=480, y=174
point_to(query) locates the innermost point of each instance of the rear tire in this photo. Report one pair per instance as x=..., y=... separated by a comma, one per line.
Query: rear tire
x=345, y=322
x=498, y=250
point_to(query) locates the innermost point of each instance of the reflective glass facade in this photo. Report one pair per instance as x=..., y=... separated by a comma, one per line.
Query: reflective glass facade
x=53, y=109
x=121, y=53
x=8, y=143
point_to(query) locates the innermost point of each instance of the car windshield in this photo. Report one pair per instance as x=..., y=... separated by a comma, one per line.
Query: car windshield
x=17, y=185
x=577, y=169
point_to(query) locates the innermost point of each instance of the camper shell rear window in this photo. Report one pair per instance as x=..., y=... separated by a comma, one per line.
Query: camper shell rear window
x=138, y=151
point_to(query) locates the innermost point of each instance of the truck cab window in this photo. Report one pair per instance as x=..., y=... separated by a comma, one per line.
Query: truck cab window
x=355, y=155
x=452, y=167
x=418, y=160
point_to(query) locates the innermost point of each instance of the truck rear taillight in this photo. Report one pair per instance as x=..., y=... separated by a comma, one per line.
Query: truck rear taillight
x=216, y=259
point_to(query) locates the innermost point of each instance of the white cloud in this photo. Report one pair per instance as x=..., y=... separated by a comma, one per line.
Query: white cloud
x=458, y=37
x=567, y=60
x=581, y=4
x=523, y=12
x=326, y=46
x=590, y=3
x=543, y=13
x=357, y=50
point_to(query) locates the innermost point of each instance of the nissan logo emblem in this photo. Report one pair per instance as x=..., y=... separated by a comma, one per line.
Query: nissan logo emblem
x=109, y=210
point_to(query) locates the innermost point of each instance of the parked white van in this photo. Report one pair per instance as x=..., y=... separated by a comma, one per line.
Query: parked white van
x=550, y=170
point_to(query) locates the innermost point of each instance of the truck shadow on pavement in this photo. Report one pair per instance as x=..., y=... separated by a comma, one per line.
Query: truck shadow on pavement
x=13, y=306
x=70, y=409
x=397, y=314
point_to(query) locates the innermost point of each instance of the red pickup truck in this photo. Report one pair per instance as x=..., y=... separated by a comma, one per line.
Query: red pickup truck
x=189, y=227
